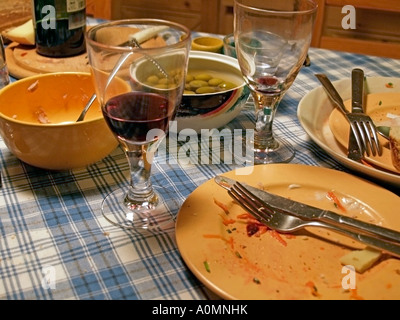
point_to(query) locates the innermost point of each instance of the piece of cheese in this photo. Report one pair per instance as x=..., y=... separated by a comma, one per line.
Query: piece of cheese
x=361, y=260
x=23, y=34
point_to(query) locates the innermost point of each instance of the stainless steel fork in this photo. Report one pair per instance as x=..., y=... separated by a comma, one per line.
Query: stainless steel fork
x=361, y=124
x=286, y=223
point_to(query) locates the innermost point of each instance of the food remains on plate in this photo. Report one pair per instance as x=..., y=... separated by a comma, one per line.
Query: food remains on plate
x=394, y=141
x=384, y=110
x=361, y=260
x=390, y=118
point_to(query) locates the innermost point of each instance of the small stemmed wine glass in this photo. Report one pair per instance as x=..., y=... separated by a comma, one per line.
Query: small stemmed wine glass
x=138, y=104
x=272, y=40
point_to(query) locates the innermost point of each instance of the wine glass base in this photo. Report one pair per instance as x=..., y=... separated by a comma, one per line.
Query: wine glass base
x=283, y=152
x=117, y=213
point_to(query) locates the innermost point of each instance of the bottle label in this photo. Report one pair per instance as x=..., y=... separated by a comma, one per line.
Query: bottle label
x=76, y=20
x=75, y=5
x=73, y=11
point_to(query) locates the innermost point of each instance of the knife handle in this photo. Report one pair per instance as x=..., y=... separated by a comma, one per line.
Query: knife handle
x=361, y=226
x=332, y=93
x=377, y=243
x=357, y=82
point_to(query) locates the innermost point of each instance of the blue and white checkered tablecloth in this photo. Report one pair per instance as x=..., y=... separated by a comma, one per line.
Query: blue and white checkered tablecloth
x=55, y=243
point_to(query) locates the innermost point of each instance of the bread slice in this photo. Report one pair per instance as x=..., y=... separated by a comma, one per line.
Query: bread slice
x=394, y=140
x=23, y=34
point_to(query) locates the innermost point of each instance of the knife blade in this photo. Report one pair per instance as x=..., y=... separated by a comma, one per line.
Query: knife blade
x=312, y=213
x=357, y=102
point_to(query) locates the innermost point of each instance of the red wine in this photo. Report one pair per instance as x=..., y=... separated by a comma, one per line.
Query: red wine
x=60, y=27
x=267, y=85
x=131, y=115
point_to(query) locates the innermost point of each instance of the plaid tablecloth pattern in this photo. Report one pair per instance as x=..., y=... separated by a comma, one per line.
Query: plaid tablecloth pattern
x=55, y=243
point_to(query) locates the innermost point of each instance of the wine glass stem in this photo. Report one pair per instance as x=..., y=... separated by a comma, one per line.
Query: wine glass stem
x=266, y=105
x=140, y=193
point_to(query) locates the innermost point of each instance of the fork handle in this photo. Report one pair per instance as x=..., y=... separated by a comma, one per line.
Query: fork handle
x=309, y=213
x=380, y=244
x=357, y=76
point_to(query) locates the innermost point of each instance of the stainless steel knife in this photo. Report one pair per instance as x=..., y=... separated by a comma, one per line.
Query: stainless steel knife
x=312, y=213
x=335, y=98
x=357, y=102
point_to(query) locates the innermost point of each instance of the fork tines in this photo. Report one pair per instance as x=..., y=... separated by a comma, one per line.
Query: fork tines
x=255, y=206
x=372, y=138
x=365, y=133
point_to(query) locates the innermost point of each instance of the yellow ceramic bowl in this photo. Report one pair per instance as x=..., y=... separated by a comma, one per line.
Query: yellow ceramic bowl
x=209, y=44
x=38, y=121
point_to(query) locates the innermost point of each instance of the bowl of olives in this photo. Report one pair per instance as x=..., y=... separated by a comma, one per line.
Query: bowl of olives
x=215, y=92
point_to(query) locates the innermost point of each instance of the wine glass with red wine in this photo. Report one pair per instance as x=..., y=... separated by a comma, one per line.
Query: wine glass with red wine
x=272, y=40
x=138, y=103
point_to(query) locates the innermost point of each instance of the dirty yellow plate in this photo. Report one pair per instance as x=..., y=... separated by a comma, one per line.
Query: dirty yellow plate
x=217, y=249
x=377, y=106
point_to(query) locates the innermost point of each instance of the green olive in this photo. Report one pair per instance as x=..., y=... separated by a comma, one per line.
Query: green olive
x=153, y=79
x=206, y=90
x=203, y=76
x=163, y=81
x=189, y=78
x=161, y=86
x=214, y=82
x=189, y=92
x=177, y=78
x=227, y=86
x=195, y=84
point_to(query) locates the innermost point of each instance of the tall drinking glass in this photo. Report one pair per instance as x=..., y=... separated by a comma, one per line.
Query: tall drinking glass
x=139, y=67
x=272, y=40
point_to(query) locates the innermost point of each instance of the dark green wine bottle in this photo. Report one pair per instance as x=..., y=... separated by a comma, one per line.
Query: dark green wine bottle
x=60, y=27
